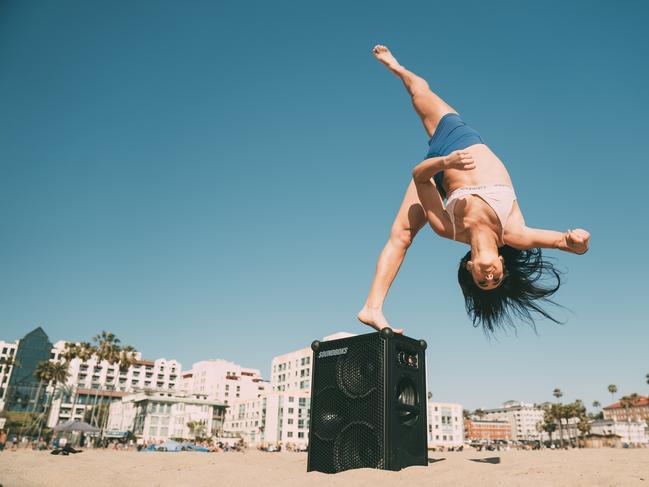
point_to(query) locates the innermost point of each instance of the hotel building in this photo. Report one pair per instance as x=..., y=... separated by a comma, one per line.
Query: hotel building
x=94, y=382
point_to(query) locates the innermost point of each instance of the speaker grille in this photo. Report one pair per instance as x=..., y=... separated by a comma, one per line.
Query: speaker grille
x=356, y=373
x=357, y=446
x=347, y=419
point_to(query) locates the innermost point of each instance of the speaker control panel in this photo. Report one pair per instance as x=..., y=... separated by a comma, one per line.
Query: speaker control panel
x=408, y=359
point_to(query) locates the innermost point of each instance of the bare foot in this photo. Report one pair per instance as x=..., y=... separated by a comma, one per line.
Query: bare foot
x=384, y=55
x=375, y=318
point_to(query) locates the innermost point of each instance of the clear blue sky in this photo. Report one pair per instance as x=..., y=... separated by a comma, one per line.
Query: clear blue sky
x=217, y=179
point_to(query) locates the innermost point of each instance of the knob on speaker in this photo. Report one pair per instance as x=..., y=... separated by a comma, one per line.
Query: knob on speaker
x=387, y=332
x=315, y=345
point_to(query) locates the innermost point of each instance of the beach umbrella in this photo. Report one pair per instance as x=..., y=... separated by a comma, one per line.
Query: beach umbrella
x=81, y=426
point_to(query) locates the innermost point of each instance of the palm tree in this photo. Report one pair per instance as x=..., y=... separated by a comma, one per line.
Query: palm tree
x=612, y=388
x=558, y=412
x=126, y=358
x=583, y=426
x=59, y=372
x=107, y=349
x=196, y=428
x=548, y=424
x=43, y=373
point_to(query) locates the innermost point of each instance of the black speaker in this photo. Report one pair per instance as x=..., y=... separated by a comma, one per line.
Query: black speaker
x=368, y=403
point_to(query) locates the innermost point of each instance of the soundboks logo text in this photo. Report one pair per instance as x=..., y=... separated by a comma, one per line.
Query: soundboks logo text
x=335, y=351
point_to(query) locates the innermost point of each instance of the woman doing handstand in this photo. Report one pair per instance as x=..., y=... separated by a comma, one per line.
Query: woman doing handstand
x=465, y=194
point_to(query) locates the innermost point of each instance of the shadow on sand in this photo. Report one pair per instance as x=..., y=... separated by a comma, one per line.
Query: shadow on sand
x=492, y=460
x=435, y=460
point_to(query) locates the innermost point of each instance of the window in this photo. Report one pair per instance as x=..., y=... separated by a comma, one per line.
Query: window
x=291, y=399
x=153, y=431
x=300, y=434
x=290, y=420
x=289, y=434
x=290, y=410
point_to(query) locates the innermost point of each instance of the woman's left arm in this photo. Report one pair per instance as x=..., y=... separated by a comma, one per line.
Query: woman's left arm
x=575, y=241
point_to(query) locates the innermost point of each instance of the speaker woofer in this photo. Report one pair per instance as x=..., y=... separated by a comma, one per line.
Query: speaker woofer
x=357, y=446
x=407, y=402
x=329, y=413
x=358, y=373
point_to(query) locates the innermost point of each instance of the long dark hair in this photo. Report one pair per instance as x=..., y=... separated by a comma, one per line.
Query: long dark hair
x=519, y=294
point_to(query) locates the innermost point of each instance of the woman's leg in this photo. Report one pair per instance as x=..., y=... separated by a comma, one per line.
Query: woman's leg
x=430, y=107
x=410, y=219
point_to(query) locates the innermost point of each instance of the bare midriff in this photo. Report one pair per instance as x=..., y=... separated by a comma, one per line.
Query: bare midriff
x=488, y=170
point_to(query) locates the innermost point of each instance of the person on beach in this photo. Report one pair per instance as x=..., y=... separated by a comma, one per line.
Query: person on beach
x=464, y=192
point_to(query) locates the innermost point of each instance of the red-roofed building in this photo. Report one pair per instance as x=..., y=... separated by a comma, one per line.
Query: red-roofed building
x=486, y=430
x=638, y=411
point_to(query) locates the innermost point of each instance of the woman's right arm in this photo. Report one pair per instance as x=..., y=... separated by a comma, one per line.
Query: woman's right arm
x=429, y=196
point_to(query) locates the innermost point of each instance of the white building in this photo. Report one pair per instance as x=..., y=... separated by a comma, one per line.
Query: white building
x=158, y=416
x=522, y=418
x=7, y=352
x=445, y=424
x=632, y=432
x=223, y=381
x=275, y=417
x=93, y=382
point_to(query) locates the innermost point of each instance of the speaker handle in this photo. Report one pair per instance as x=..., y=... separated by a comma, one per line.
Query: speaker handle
x=315, y=345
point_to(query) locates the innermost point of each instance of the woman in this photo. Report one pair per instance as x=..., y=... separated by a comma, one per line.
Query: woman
x=499, y=276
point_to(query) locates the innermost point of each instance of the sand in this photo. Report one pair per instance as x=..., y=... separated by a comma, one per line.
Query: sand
x=572, y=468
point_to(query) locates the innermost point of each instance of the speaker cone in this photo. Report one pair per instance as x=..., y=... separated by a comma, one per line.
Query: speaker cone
x=329, y=413
x=358, y=372
x=357, y=446
x=407, y=402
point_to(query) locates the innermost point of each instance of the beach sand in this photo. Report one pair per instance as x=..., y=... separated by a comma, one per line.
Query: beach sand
x=572, y=468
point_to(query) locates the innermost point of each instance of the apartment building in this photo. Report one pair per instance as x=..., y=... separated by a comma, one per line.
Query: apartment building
x=7, y=355
x=445, y=426
x=487, y=430
x=522, y=418
x=223, y=381
x=276, y=416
